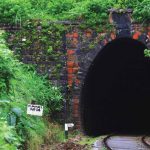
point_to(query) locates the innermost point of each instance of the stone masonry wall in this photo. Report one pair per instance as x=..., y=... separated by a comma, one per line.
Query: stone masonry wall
x=78, y=50
x=83, y=47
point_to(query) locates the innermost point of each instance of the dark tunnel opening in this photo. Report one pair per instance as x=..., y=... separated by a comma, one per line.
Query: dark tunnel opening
x=116, y=92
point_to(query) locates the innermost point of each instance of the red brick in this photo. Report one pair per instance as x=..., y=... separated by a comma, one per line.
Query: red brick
x=70, y=70
x=75, y=35
x=75, y=70
x=70, y=64
x=136, y=35
x=113, y=36
x=70, y=52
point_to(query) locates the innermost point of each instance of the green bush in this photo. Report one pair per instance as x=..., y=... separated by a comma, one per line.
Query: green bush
x=28, y=86
x=6, y=68
x=24, y=83
x=14, y=11
x=19, y=86
x=92, y=12
x=59, y=6
x=147, y=53
x=9, y=140
x=142, y=11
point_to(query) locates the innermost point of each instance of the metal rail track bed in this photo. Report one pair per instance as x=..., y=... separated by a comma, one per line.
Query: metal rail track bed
x=108, y=147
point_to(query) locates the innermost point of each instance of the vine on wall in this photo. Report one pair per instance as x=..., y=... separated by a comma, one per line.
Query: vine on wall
x=40, y=44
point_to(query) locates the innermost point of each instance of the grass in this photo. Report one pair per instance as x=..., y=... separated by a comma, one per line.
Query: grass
x=19, y=86
x=86, y=140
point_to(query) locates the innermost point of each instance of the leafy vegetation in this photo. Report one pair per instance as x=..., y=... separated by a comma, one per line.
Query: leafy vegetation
x=90, y=12
x=142, y=11
x=147, y=53
x=43, y=46
x=19, y=86
x=13, y=11
x=8, y=137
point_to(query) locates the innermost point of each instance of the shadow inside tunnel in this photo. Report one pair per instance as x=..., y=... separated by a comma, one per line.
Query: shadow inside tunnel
x=115, y=97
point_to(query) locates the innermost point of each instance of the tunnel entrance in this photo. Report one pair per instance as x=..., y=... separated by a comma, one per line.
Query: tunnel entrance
x=115, y=97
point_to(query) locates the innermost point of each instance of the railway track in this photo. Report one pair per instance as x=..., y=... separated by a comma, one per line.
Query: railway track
x=144, y=141
x=140, y=143
x=106, y=145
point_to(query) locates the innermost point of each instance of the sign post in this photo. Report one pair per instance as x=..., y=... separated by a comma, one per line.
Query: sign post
x=68, y=125
x=35, y=110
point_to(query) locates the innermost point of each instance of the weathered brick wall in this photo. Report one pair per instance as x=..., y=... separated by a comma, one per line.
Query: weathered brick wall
x=80, y=55
x=28, y=45
x=32, y=47
x=79, y=49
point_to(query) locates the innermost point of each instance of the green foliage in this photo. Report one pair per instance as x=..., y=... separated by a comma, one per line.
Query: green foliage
x=60, y=6
x=8, y=137
x=125, y=4
x=6, y=68
x=97, y=12
x=20, y=85
x=43, y=37
x=142, y=11
x=28, y=86
x=25, y=84
x=14, y=11
x=91, y=12
x=147, y=53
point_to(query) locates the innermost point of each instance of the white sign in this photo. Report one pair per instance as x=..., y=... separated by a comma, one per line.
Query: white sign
x=68, y=125
x=36, y=110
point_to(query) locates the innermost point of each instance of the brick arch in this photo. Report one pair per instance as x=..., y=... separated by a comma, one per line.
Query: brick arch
x=90, y=111
x=79, y=59
x=78, y=62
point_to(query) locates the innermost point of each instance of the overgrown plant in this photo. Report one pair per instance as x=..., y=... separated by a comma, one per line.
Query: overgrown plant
x=91, y=12
x=147, y=52
x=20, y=85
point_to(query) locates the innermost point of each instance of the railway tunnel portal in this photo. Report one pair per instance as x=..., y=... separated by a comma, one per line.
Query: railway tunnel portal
x=109, y=83
x=115, y=97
